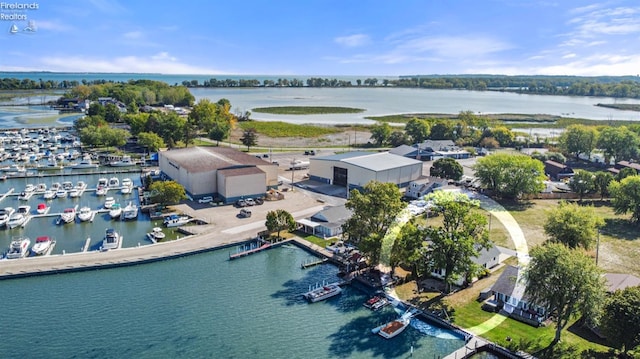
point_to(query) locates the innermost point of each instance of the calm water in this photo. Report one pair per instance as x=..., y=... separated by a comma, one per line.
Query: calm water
x=203, y=306
x=71, y=237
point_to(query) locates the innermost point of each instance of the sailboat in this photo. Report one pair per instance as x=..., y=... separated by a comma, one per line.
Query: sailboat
x=13, y=29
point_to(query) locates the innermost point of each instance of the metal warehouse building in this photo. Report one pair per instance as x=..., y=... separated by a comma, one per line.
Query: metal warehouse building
x=224, y=173
x=355, y=169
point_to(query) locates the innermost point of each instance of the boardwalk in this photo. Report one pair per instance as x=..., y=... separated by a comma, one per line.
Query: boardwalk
x=469, y=347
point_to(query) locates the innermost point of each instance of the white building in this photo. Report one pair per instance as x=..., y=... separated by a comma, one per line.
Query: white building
x=356, y=169
x=224, y=173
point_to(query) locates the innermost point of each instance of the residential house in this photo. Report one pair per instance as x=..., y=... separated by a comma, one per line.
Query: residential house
x=557, y=171
x=625, y=164
x=430, y=150
x=420, y=187
x=509, y=305
x=326, y=223
x=486, y=259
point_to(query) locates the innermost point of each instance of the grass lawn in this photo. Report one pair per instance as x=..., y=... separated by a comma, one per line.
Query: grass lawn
x=278, y=129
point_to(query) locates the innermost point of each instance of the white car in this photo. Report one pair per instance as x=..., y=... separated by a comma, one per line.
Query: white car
x=250, y=202
x=205, y=199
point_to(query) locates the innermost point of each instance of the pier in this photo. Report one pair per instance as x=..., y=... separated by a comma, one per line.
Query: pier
x=253, y=247
x=309, y=264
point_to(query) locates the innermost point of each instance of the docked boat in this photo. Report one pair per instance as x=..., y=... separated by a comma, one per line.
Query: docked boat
x=114, y=182
x=376, y=302
x=102, y=182
x=51, y=165
x=130, y=212
x=68, y=215
x=395, y=327
x=19, y=248
x=55, y=186
x=108, y=202
x=25, y=195
x=111, y=239
x=67, y=185
x=81, y=186
x=85, y=213
x=125, y=161
x=41, y=187
x=19, y=217
x=49, y=194
x=61, y=193
x=42, y=208
x=85, y=162
x=175, y=221
x=156, y=235
x=42, y=244
x=5, y=214
x=74, y=193
x=102, y=191
x=127, y=186
x=115, y=211
x=14, y=168
x=323, y=292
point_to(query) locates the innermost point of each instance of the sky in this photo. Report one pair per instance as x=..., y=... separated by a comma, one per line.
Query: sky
x=323, y=37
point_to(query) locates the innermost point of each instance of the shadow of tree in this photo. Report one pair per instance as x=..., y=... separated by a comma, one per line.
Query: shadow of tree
x=586, y=334
x=620, y=228
x=513, y=205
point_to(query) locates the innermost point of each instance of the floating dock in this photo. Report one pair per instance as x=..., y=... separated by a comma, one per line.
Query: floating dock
x=306, y=264
x=251, y=250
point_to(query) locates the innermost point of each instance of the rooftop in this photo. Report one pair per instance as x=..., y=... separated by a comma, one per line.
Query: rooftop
x=203, y=159
x=375, y=161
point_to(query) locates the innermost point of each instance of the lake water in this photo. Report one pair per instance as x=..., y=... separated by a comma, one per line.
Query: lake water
x=203, y=306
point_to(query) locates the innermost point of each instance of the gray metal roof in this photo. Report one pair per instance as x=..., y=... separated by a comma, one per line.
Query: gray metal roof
x=203, y=159
x=375, y=161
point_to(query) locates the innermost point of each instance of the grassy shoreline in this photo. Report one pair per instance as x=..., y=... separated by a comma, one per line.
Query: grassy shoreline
x=306, y=110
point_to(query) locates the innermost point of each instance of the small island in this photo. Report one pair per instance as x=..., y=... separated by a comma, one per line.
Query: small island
x=621, y=106
x=306, y=110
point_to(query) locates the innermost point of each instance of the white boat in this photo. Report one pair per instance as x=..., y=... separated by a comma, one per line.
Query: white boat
x=41, y=187
x=61, y=193
x=5, y=214
x=156, y=235
x=127, y=186
x=111, y=239
x=67, y=185
x=68, y=215
x=125, y=161
x=41, y=246
x=115, y=211
x=377, y=302
x=114, y=182
x=51, y=165
x=102, y=191
x=323, y=292
x=108, y=202
x=49, y=194
x=16, y=220
x=18, y=248
x=42, y=208
x=85, y=214
x=395, y=327
x=85, y=162
x=175, y=221
x=130, y=212
x=102, y=182
x=14, y=168
x=25, y=196
x=55, y=186
x=74, y=193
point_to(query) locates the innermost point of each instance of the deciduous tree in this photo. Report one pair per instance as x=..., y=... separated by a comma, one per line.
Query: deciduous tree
x=380, y=133
x=573, y=225
x=249, y=137
x=602, y=181
x=578, y=139
x=625, y=197
x=620, y=319
x=280, y=220
x=511, y=175
x=447, y=168
x=417, y=129
x=618, y=143
x=168, y=192
x=374, y=210
x=566, y=282
x=583, y=182
x=460, y=238
x=150, y=141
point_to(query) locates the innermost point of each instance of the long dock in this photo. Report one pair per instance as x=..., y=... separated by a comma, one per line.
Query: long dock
x=250, y=251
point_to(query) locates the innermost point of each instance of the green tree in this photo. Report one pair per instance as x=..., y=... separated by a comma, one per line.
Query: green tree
x=417, y=129
x=170, y=128
x=578, y=139
x=509, y=175
x=573, y=225
x=96, y=109
x=566, y=282
x=624, y=173
x=374, y=210
x=460, y=238
x=408, y=248
x=447, y=168
x=249, y=137
x=442, y=130
x=137, y=122
x=618, y=143
x=625, y=197
x=602, y=181
x=220, y=131
x=380, y=133
x=398, y=138
x=583, y=182
x=111, y=113
x=151, y=141
x=203, y=114
x=503, y=135
x=620, y=319
x=168, y=192
x=280, y=220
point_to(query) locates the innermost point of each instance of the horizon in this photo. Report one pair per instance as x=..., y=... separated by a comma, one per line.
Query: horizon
x=254, y=38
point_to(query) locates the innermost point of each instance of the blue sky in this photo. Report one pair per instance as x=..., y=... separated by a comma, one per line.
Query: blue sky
x=313, y=37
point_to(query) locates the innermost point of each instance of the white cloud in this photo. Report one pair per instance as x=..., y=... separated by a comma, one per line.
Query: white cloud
x=160, y=63
x=133, y=35
x=568, y=56
x=53, y=26
x=454, y=46
x=356, y=40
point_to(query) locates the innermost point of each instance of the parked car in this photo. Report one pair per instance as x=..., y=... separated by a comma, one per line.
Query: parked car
x=259, y=201
x=205, y=199
x=241, y=203
x=244, y=213
x=250, y=202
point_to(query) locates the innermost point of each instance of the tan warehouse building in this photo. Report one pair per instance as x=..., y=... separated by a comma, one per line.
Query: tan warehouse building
x=224, y=173
x=355, y=169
